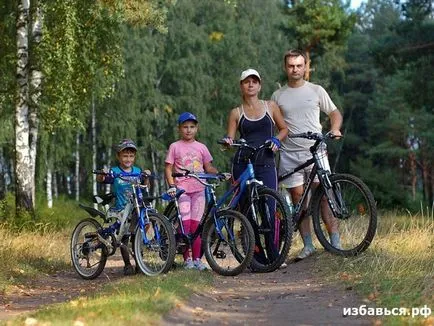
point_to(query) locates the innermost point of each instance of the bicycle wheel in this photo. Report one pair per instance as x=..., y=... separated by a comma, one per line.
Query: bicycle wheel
x=88, y=254
x=170, y=212
x=228, y=246
x=273, y=229
x=154, y=245
x=355, y=215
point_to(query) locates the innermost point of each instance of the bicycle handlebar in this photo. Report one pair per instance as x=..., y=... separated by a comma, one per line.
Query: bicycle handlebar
x=314, y=136
x=242, y=143
x=125, y=174
x=200, y=176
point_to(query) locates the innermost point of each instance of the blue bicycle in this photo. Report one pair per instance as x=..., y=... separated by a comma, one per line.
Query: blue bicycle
x=152, y=236
x=265, y=209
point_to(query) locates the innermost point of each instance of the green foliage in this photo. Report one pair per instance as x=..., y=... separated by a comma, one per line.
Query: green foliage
x=320, y=25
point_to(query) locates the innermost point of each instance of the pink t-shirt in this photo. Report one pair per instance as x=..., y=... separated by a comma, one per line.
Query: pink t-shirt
x=191, y=156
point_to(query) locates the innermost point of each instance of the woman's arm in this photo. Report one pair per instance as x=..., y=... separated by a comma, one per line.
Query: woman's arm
x=232, y=123
x=209, y=168
x=279, y=121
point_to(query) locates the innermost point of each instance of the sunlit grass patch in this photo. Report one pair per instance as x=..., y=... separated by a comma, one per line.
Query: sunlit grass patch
x=398, y=268
x=25, y=254
x=130, y=301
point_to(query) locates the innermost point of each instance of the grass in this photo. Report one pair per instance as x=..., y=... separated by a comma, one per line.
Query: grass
x=396, y=271
x=131, y=301
x=25, y=254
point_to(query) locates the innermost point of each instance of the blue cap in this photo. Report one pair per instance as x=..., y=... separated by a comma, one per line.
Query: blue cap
x=186, y=116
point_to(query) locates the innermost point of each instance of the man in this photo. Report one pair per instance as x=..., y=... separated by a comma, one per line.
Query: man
x=301, y=102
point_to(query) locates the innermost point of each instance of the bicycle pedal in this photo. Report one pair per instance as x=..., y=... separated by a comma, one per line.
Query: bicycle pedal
x=91, y=234
x=220, y=254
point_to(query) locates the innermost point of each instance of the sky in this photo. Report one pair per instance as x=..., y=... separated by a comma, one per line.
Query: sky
x=355, y=3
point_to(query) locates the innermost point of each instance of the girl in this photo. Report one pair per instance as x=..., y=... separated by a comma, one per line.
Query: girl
x=187, y=153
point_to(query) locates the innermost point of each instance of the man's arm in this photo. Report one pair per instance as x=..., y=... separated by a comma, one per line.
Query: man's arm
x=335, y=122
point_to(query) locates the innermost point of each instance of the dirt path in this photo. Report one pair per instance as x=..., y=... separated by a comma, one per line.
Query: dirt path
x=49, y=289
x=292, y=296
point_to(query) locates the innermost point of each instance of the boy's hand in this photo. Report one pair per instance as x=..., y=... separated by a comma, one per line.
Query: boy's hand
x=147, y=172
x=172, y=190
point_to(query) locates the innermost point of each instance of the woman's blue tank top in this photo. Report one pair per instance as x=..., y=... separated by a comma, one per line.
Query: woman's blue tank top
x=256, y=132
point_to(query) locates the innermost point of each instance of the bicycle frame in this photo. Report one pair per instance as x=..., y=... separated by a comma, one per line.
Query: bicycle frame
x=141, y=205
x=212, y=207
x=317, y=170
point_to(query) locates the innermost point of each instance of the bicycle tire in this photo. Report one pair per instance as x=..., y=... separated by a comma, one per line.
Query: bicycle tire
x=357, y=215
x=226, y=256
x=86, y=248
x=262, y=261
x=156, y=254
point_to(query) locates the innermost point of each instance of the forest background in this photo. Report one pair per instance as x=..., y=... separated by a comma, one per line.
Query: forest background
x=78, y=76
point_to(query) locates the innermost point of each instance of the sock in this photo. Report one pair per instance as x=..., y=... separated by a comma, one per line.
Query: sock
x=335, y=239
x=307, y=241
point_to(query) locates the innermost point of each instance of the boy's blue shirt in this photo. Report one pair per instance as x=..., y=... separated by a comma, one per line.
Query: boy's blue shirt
x=122, y=189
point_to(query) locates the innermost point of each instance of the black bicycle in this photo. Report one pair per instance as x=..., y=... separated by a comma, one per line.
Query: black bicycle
x=342, y=199
x=264, y=208
x=227, y=236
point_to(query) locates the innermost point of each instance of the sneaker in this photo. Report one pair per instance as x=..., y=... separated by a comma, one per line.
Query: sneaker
x=336, y=242
x=306, y=252
x=283, y=266
x=129, y=270
x=188, y=264
x=199, y=265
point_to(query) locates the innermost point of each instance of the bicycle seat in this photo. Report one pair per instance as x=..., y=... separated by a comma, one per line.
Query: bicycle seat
x=103, y=199
x=93, y=212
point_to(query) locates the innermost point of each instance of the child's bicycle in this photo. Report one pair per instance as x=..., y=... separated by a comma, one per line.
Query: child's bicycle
x=153, y=239
x=345, y=199
x=264, y=208
x=227, y=236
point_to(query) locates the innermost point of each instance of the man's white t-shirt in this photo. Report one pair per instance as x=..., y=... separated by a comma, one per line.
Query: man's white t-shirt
x=301, y=108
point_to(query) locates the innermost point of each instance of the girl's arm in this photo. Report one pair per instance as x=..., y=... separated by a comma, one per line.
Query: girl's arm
x=279, y=121
x=168, y=168
x=209, y=168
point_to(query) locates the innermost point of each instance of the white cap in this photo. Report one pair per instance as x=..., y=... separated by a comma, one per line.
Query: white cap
x=249, y=72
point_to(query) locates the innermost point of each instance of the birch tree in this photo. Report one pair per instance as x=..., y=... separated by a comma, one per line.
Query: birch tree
x=23, y=168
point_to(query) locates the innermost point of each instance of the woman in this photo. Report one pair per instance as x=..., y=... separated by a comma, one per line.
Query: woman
x=256, y=121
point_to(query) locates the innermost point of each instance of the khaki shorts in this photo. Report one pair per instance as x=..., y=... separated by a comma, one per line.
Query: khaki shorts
x=290, y=160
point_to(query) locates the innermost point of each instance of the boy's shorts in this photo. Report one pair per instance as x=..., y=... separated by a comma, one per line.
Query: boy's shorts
x=290, y=160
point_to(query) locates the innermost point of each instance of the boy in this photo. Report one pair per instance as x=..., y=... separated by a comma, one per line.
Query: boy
x=126, y=154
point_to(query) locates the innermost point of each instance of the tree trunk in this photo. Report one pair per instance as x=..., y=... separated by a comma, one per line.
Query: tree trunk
x=109, y=155
x=154, y=168
x=24, y=180
x=2, y=175
x=413, y=174
x=307, y=72
x=427, y=181
x=77, y=167
x=55, y=186
x=35, y=93
x=49, y=188
x=94, y=150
